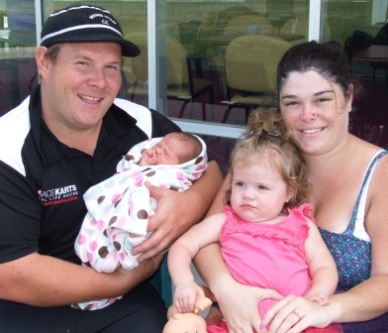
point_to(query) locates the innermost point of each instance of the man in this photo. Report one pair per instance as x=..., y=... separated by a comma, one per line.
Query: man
x=68, y=135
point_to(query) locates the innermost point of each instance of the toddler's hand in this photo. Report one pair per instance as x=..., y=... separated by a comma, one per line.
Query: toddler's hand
x=321, y=299
x=185, y=296
x=202, y=303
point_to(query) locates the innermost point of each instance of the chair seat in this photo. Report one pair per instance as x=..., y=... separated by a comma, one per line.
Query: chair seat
x=251, y=99
x=137, y=88
x=250, y=66
x=183, y=91
x=248, y=101
x=238, y=26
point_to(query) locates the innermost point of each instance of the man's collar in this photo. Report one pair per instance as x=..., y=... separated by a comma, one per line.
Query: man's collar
x=116, y=122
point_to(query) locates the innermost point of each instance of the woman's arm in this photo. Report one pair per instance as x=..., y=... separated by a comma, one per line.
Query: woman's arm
x=322, y=268
x=365, y=301
x=356, y=304
x=370, y=298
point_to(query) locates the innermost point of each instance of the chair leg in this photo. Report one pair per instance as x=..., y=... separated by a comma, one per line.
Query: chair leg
x=374, y=75
x=132, y=94
x=191, y=108
x=226, y=114
x=182, y=110
x=203, y=111
x=380, y=136
x=211, y=102
x=247, y=112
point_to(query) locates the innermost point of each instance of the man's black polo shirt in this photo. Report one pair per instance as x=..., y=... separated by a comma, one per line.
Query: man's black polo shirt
x=42, y=181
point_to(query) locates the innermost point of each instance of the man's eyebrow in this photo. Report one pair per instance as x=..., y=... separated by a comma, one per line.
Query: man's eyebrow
x=118, y=62
x=85, y=57
x=80, y=55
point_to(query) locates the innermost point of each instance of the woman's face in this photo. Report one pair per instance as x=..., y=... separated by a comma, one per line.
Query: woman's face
x=316, y=112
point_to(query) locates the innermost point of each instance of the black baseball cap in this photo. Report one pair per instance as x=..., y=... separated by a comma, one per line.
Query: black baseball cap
x=84, y=23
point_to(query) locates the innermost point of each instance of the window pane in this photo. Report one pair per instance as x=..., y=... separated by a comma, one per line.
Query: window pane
x=232, y=49
x=196, y=73
x=17, y=46
x=356, y=25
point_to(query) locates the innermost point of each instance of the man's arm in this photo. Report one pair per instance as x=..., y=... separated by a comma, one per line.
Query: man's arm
x=46, y=281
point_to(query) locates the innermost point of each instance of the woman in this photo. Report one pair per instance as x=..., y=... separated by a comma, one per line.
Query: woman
x=349, y=178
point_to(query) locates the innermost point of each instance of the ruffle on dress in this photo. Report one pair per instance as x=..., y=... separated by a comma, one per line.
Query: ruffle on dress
x=292, y=230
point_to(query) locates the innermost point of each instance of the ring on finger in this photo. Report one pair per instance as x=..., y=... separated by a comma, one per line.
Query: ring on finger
x=296, y=313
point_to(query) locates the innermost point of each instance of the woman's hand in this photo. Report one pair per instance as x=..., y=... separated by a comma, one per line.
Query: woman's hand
x=293, y=314
x=239, y=306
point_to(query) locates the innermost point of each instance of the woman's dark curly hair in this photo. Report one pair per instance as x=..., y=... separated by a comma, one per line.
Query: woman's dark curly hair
x=327, y=59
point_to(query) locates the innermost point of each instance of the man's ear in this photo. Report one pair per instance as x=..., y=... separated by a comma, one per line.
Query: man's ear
x=42, y=62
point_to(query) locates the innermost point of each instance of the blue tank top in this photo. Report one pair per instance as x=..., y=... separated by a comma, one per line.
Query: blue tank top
x=352, y=253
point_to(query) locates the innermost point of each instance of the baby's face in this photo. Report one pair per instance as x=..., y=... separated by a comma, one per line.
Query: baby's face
x=166, y=151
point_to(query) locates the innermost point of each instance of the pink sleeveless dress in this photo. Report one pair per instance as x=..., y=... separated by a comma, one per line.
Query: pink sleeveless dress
x=268, y=256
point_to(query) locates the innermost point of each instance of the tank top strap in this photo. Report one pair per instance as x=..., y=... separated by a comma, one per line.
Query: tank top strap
x=356, y=225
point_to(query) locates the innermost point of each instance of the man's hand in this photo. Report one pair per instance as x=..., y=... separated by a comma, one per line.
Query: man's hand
x=132, y=278
x=176, y=212
x=169, y=222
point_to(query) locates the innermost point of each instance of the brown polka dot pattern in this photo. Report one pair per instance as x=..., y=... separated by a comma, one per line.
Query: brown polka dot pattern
x=142, y=214
x=198, y=160
x=129, y=157
x=117, y=245
x=101, y=199
x=103, y=252
x=112, y=220
x=150, y=174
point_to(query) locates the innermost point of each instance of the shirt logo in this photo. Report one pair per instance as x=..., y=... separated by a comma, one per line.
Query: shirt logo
x=58, y=195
